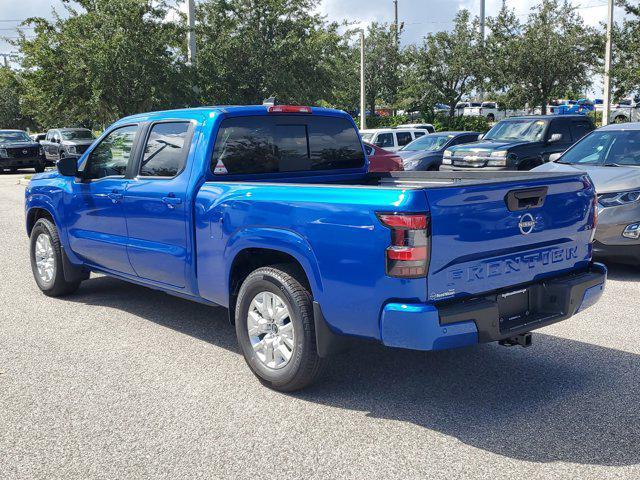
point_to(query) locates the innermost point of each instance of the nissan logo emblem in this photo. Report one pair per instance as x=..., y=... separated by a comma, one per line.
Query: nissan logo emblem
x=526, y=224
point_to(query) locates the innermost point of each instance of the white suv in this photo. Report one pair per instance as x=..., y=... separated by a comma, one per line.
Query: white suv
x=392, y=139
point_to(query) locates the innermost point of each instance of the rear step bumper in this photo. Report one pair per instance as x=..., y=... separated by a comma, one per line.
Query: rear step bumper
x=494, y=316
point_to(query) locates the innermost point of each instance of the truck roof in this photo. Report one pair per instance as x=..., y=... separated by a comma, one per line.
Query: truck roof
x=549, y=116
x=203, y=112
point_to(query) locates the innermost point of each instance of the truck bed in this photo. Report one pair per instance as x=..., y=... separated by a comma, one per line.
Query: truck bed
x=458, y=179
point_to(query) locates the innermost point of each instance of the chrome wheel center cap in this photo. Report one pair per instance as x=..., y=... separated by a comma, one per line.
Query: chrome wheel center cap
x=270, y=330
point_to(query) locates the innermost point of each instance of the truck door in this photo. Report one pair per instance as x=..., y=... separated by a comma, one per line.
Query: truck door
x=156, y=205
x=96, y=222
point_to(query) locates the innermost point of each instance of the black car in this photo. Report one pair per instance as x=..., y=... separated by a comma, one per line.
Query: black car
x=425, y=153
x=17, y=150
x=519, y=143
x=66, y=142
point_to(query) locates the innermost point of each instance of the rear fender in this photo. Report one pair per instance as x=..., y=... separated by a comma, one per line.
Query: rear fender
x=281, y=240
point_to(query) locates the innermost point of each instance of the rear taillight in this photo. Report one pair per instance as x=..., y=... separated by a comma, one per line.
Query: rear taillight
x=288, y=109
x=408, y=254
x=595, y=217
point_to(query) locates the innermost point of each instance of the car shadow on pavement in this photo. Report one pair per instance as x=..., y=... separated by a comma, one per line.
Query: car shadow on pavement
x=623, y=272
x=560, y=400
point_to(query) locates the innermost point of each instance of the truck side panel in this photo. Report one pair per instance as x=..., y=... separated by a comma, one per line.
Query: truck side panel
x=331, y=230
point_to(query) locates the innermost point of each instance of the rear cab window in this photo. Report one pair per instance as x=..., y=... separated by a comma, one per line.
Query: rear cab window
x=403, y=138
x=384, y=140
x=285, y=143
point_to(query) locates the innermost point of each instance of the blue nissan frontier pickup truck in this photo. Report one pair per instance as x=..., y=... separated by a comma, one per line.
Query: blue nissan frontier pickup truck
x=270, y=212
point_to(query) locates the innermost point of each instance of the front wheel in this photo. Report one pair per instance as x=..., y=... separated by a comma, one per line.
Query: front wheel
x=46, y=260
x=39, y=167
x=275, y=329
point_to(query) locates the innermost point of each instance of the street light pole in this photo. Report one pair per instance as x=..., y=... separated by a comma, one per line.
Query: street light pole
x=191, y=35
x=607, y=67
x=363, y=115
x=482, y=21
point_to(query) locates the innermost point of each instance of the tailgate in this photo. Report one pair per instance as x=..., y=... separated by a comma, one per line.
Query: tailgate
x=501, y=235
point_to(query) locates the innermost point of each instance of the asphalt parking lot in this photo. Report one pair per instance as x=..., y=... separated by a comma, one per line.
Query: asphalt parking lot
x=119, y=381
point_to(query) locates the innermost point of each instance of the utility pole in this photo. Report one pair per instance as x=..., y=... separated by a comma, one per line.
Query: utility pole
x=191, y=35
x=607, y=67
x=482, y=15
x=396, y=24
x=363, y=114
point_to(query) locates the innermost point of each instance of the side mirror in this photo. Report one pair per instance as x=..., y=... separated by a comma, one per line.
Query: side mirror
x=481, y=136
x=68, y=166
x=554, y=156
x=555, y=137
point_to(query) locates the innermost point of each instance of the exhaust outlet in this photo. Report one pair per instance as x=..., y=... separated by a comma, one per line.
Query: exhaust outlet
x=524, y=340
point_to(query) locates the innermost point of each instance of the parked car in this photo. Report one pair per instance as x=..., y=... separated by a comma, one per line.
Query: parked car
x=491, y=111
x=626, y=110
x=425, y=153
x=391, y=139
x=270, y=211
x=611, y=157
x=381, y=160
x=518, y=143
x=441, y=108
x=64, y=142
x=460, y=106
x=420, y=126
x=17, y=150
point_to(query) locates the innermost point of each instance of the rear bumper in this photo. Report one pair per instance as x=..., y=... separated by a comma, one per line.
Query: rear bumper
x=618, y=253
x=464, y=323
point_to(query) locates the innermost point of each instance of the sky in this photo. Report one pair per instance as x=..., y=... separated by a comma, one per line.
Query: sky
x=419, y=16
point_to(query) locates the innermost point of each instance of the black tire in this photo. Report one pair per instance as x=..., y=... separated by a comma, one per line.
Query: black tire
x=304, y=366
x=57, y=286
x=491, y=117
x=620, y=119
x=39, y=168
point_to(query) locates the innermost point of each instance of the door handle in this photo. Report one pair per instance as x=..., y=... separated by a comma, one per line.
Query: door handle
x=115, y=196
x=171, y=201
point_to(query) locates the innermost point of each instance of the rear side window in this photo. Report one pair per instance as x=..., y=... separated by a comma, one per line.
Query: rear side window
x=580, y=129
x=561, y=128
x=403, y=138
x=384, y=140
x=285, y=143
x=416, y=134
x=165, y=151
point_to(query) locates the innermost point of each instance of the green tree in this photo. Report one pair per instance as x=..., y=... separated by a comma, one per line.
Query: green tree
x=11, y=115
x=550, y=55
x=105, y=59
x=446, y=67
x=250, y=50
x=626, y=52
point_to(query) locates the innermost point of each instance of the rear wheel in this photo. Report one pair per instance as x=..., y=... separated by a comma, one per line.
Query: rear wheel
x=46, y=260
x=39, y=167
x=275, y=329
x=620, y=119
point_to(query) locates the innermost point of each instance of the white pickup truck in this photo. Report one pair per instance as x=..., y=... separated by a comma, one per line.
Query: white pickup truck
x=627, y=110
x=490, y=110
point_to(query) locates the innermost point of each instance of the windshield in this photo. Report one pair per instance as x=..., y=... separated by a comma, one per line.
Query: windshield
x=606, y=148
x=526, y=130
x=7, y=137
x=428, y=142
x=77, y=134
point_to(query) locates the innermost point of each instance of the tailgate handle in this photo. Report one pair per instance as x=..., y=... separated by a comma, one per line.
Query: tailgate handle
x=526, y=198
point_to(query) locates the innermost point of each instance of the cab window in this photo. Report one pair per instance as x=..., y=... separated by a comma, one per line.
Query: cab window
x=384, y=140
x=111, y=156
x=403, y=138
x=165, y=152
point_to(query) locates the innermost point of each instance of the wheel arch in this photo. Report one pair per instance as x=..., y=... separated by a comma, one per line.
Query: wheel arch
x=253, y=248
